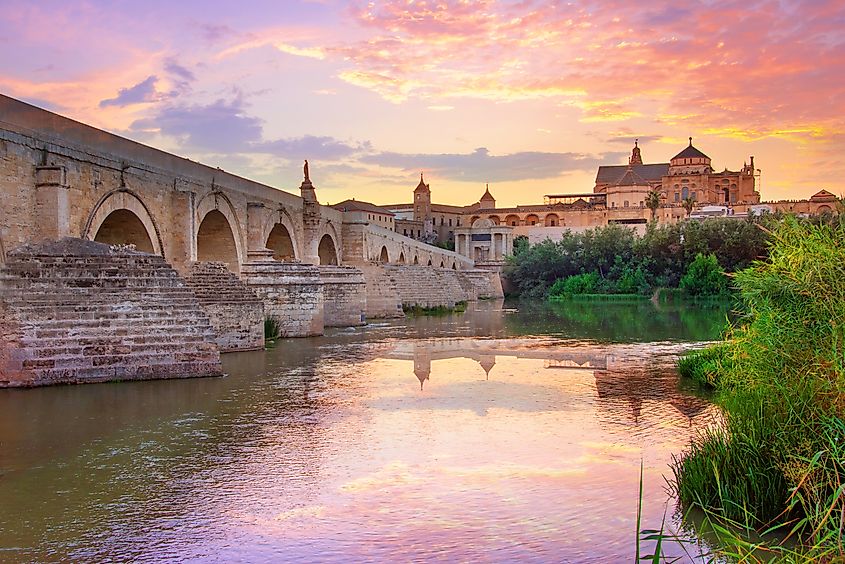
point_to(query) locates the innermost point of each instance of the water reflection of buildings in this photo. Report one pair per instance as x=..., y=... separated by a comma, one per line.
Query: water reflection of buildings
x=485, y=352
x=635, y=381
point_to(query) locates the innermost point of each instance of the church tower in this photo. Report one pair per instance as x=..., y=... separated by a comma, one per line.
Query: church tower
x=636, y=157
x=487, y=201
x=422, y=201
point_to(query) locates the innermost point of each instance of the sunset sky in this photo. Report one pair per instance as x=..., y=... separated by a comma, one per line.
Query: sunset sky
x=529, y=96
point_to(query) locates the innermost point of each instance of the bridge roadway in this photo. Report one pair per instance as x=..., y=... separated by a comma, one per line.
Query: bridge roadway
x=63, y=178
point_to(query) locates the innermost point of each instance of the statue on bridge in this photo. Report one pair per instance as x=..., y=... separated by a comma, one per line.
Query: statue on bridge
x=305, y=170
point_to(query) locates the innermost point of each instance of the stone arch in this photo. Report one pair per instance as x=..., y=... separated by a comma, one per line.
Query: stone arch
x=416, y=259
x=442, y=264
x=123, y=227
x=327, y=250
x=135, y=212
x=551, y=220
x=282, y=218
x=216, y=241
x=280, y=241
x=402, y=258
x=383, y=256
x=512, y=220
x=821, y=209
x=473, y=219
x=532, y=219
x=429, y=262
x=454, y=265
x=495, y=219
x=218, y=201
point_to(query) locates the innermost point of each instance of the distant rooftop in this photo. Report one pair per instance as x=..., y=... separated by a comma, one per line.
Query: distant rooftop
x=358, y=205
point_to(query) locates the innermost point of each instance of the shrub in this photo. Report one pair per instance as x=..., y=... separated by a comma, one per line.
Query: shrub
x=704, y=277
x=586, y=283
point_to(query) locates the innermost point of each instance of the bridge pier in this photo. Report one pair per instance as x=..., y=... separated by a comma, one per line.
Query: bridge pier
x=344, y=296
x=292, y=294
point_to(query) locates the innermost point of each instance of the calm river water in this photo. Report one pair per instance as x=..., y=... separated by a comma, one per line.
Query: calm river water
x=508, y=433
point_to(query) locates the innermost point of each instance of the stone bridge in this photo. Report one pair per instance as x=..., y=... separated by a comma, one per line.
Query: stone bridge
x=247, y=250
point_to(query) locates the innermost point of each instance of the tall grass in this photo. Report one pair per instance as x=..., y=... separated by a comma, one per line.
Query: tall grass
x=778, y=462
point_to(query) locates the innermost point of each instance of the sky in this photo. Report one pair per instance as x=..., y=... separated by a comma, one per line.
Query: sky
x=528, y=96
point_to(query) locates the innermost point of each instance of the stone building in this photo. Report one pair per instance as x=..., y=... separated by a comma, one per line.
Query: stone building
x=422, y=219
x=689, y=174
x=365, y=211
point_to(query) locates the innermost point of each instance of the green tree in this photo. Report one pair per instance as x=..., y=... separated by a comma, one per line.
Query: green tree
x=704, y=277
x=688, y=204
x=652, y=202
x=520, y=244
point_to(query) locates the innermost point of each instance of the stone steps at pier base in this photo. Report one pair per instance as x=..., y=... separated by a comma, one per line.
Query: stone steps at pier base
x=235, y=311
x=75, y=311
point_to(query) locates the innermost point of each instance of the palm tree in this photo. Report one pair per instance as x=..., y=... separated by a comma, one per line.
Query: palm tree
x=688, y=204
x=652, y=202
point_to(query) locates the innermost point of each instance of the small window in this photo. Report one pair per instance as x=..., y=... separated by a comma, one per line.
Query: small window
x=693, y=195
x=450, y=222
x=626, y=203
x=677, y=196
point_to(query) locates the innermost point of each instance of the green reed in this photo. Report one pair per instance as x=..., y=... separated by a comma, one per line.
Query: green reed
x=778, y=462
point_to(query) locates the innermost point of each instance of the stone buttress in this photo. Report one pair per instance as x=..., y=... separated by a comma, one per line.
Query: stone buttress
x=76, y=311
x=292, y=294
x=344, y=296
x=235, y=311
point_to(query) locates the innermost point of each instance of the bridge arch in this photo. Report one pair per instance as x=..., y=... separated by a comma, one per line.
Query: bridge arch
x=401, y=256
x=429, y=262
x=442, y=264
x=279, y=235
x=416, y=259
x=280, y=241
x=121, y=217
x=216, y=241
x=218, y=238
x=384, y=257
x=327, y=250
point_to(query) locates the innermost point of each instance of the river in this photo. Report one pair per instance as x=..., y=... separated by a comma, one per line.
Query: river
x=510, y=432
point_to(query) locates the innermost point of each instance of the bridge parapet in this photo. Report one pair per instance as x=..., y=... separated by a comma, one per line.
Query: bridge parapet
x=370, y=243
x=59, y=177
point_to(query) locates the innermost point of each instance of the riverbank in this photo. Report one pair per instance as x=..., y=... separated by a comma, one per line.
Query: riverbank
x=778, y=462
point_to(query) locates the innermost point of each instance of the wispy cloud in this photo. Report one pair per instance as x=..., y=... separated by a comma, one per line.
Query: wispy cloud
x=143, y=92
x=480, y=165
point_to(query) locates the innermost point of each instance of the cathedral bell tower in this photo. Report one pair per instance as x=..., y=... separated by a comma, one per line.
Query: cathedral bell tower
x=636, y=158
